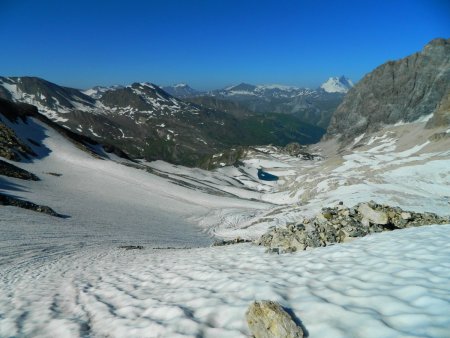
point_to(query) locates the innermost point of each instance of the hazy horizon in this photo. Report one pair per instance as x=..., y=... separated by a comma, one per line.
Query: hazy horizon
x=211, y=45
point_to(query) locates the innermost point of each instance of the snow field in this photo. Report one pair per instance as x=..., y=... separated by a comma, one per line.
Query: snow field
x=387, y=285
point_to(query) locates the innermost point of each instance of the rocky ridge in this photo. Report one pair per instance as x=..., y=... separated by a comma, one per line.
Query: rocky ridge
x=16, y=202
x=341, y=224
x=10, y=170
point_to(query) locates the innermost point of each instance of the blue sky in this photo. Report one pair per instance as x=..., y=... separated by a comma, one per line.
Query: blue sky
x=211, y=44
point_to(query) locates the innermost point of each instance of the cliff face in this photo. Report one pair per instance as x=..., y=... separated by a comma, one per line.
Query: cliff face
x=403, y=90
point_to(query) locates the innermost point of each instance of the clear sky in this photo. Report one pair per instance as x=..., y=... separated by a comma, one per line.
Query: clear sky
x=211, y=44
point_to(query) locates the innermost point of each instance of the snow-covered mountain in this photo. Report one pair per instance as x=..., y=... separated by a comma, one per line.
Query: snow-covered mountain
x=52, y=100
x=56, y=101
x=244, y=90
x=181, y=90
x=337, y=85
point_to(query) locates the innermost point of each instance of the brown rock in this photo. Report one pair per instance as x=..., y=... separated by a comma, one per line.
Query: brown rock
x=267, y=319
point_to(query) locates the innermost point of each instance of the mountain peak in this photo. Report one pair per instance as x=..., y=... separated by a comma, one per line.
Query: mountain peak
x=336, y=84
x=97, y=91
x=181, y=90
x=241, y=87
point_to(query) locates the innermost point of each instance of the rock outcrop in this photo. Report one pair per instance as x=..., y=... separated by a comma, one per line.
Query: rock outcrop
x=441, y=116
x=223, y=242
x=8, y=169
x=267, y=319
x=297, y=150
x=403, y=90
x=131, y=247
x=341, y=224
x=11, y=147
x=15, y=202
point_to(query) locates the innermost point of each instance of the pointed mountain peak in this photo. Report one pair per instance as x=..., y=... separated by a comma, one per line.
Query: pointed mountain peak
x=336, y=84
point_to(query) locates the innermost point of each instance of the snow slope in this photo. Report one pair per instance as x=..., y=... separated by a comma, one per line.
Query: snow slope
x=109, y=199
x=69, y=278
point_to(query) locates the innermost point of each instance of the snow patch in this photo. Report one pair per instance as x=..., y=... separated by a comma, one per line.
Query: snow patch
x=359, y=138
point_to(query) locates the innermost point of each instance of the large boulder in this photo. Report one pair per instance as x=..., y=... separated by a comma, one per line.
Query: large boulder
x=267, y=319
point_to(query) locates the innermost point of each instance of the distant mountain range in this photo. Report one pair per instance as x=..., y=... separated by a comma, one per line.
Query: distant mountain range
x=313, y=106
x=147, y=122
x=340, y=84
